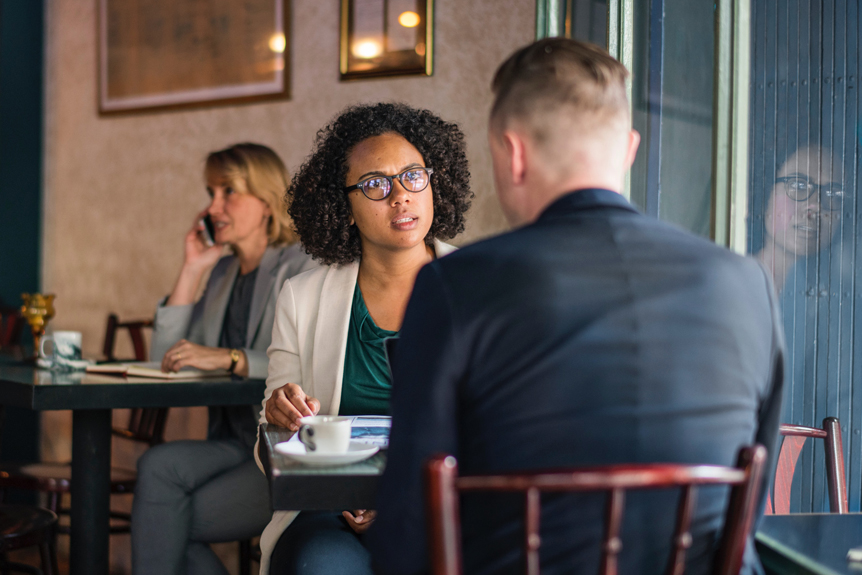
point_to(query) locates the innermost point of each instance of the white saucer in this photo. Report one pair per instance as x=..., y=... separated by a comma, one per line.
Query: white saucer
x=296, y=451
x=70, y=365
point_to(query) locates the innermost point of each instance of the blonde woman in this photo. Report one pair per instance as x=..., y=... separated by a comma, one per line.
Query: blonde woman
x=192, y=493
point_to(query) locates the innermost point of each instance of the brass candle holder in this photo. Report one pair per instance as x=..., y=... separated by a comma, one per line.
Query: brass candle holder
x=38, y=309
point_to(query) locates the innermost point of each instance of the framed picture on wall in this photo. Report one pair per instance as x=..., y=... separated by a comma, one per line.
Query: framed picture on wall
x=386, y=38
x=169, y=53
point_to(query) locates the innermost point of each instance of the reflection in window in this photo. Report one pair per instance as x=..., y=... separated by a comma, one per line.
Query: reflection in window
x=802, y=218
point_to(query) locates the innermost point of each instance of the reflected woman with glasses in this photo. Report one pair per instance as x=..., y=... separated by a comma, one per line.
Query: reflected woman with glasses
x=801, y=230
x=803, y=211
x=384, y=185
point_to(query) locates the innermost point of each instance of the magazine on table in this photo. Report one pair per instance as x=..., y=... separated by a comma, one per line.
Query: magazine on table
x=370, y=429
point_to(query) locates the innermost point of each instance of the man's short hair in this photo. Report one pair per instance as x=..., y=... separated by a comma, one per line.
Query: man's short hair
x=558, y=79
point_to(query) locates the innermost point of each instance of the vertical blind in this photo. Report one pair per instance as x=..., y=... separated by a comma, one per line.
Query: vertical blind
x=804, y=217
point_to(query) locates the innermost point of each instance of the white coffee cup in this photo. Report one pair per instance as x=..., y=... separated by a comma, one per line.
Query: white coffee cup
x=67, y=348
x=325, y=434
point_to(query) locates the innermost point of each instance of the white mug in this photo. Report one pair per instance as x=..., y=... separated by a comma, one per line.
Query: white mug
x=67, y=348
x=325, y=434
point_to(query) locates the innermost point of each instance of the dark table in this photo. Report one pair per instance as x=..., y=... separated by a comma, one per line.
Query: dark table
x=91, y=398
x=802, y=544
x=808, y=543
x=296, y=487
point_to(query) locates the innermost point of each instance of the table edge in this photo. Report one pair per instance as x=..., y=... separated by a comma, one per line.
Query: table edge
x=784, y=554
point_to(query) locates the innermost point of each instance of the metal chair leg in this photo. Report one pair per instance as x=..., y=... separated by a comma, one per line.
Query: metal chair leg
x=245, y=557
x=49, y=558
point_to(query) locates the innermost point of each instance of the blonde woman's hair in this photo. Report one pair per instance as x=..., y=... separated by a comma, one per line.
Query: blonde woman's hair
x=264, y=176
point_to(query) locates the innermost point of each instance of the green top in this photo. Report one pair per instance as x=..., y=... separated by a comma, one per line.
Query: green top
x=367, y=384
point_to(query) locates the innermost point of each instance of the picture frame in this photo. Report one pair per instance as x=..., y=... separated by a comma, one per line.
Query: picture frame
x=164, y=54
x=384, y=38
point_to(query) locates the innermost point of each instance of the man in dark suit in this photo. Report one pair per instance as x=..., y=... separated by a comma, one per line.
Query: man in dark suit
x=590, y=335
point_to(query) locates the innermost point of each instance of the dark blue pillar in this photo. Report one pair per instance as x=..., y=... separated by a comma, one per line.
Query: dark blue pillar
x=21, y=102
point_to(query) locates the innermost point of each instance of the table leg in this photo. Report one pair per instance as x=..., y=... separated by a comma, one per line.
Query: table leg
x=91, y=481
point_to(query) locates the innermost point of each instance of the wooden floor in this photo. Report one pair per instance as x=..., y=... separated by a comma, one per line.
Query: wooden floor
x=227, y=552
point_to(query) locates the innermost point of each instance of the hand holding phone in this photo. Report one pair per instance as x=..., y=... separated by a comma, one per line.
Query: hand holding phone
x=208, y=231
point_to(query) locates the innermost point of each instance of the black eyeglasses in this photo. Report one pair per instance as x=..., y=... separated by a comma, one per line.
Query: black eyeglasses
x=379, y=187
x=800, y=189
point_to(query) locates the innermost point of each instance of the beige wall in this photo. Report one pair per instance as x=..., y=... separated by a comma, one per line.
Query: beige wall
x=120, y=192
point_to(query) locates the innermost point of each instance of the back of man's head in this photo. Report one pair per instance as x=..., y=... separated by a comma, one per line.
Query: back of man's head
x=568, y=96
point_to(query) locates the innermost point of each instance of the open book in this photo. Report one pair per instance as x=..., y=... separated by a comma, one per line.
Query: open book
x=153, y=369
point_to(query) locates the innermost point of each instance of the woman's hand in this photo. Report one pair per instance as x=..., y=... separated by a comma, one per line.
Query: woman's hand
x=198, y=255
x=360, y=520
x=288, y=404
x=199, y=258
x=185, y=353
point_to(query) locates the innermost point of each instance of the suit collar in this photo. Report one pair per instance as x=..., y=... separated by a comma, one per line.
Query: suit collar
x=586, y=199
x=442, y=248
x=330, y=337
x=266, y=272
x=217, y=303
x=221, y=291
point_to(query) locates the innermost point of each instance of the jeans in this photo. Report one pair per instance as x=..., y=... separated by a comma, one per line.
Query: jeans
x=190, y=494
x=320, y=543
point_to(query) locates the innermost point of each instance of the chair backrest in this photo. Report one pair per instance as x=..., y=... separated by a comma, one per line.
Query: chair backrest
x=791, y=448
x=136, y=332
x=11, y=327
x=444, y=486
x=146, y=425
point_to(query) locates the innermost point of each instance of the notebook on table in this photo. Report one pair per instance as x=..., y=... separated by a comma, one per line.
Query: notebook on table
x=153, y=369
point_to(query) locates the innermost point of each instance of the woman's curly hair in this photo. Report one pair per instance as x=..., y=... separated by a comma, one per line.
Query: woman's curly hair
x=319, y=206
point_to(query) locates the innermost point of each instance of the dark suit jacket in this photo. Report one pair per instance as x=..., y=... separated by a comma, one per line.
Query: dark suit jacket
x=596, y=335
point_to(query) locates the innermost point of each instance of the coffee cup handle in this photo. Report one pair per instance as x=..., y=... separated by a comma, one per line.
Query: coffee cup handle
x=45, y=339
x=306, y=432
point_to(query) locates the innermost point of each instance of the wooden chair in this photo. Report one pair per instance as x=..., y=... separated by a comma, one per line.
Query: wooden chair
x=791, y=448
x=145, y=426
x=443, y=486
x=136, y=332
x=148, y=425
x=23, y=526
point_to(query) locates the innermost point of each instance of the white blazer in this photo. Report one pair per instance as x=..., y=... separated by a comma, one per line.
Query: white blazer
x=309, y=340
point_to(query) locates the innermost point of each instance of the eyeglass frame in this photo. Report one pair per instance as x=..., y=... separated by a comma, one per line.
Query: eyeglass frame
x=358, y=185
x=814, y=187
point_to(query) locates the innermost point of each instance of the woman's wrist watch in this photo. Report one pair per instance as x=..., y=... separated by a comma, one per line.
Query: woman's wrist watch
x=235, y=354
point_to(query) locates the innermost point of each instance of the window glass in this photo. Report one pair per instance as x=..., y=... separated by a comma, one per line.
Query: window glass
x=672, y=96
x=587, y=20
x=803, y=214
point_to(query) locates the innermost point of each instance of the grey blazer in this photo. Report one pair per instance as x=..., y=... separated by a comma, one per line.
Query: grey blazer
x=201, y=322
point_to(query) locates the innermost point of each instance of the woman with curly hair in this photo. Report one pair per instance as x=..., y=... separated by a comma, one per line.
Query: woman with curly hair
x=384, y=185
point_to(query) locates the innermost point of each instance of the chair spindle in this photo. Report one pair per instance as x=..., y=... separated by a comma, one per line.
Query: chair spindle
x=682, y=535
x=612, y=544
x=740, y=511
x=532, y=539
x=835, y=466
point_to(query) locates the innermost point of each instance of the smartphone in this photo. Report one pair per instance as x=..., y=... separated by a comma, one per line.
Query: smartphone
x=209, y=230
